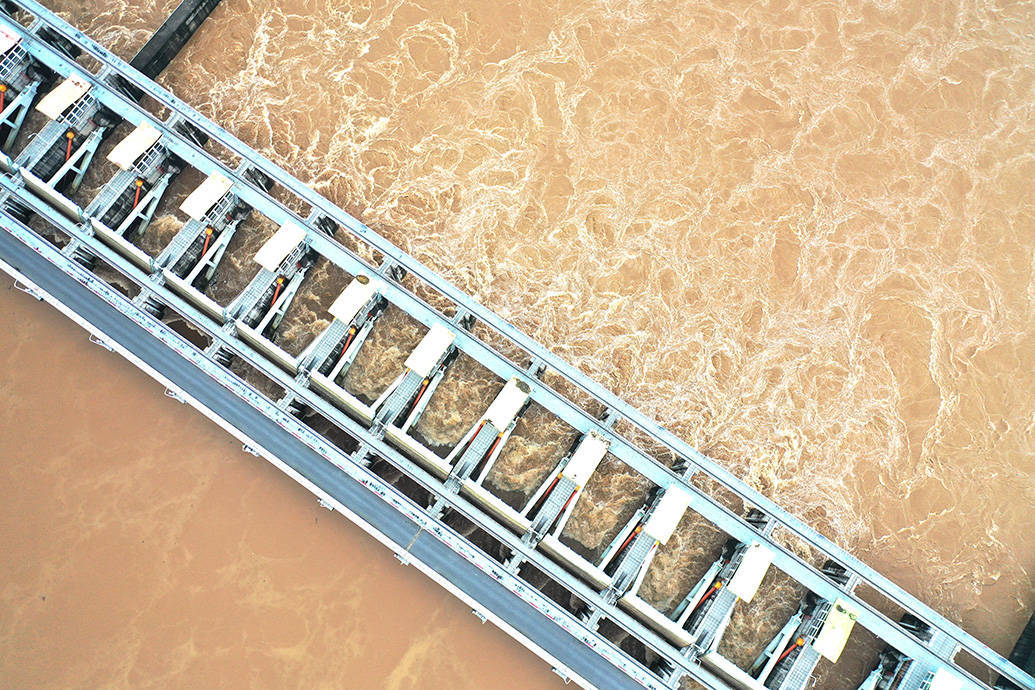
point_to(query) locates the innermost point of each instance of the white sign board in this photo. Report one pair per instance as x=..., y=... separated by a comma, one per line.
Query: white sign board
x=507, y=404
x=355, y=295
x=198, y=203
x=430, y=350
x=127, y=151
x=8, y=39
x=662, y=522
x=276, y=248
x=55, y=103
x=943, y=680
x=586, y=457
x=832, y=638
x=752, y=569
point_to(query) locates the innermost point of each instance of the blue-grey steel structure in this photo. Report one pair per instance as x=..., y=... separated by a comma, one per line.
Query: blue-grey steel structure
x=561, y=635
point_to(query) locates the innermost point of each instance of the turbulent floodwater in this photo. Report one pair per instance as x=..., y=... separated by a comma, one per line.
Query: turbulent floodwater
x=380, y=361
x=798, y=234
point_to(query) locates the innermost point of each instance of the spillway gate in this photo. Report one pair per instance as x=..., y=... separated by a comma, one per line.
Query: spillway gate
x=586, y=611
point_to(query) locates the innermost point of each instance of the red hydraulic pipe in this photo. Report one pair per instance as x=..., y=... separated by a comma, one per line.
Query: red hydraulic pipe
x=716, y=587
x=3, y=94
x=489, y=453
x=70, y=135
x=628, y=539
x=494, y=444
x=136, y=196
x=423, y=387
x=575, y=491
x=797, y=643
x=348, y=341
x=280, y=284
x=352, y=334
x=208, y=236
x=473, y=436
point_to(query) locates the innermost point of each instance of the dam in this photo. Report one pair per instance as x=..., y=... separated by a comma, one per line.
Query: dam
x=423, y=436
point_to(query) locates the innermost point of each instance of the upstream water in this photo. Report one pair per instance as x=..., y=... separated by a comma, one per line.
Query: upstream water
x=798, y=234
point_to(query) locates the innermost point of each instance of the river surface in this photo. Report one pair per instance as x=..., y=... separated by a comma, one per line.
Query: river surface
x=143, y=548
x=799, y=234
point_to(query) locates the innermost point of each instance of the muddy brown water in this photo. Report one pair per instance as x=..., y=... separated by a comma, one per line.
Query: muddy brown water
x=799, y=235
x=381, y=359
x=142, y=547
x=306, y=317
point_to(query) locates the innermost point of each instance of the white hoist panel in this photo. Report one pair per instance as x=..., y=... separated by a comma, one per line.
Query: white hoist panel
x=662, y=522
x=753, y=567
x=353, y=298
x=508, y=403
x=430, y=350
x=838, y=626
x=8, y=39
x=586, y=457
x=65, y=94
x=127, y=151
x=276, y=248
x=198, y=203
x=943, y=680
